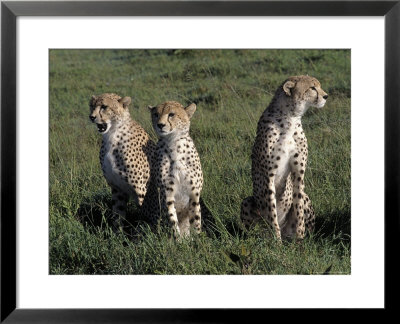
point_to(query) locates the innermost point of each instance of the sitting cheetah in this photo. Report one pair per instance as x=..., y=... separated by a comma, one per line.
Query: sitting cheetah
x=178, y=169
x=126, y=152
x=279, y=160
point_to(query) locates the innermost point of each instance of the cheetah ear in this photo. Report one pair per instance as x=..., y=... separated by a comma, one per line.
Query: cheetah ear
x=151, y=107
x=92, y=100
x=288, y=85
x=125, y=101
x=190, y=110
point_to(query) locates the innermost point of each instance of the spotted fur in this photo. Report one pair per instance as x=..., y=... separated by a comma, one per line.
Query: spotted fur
x=126, y=152
x=279, y=159
x=177, y=167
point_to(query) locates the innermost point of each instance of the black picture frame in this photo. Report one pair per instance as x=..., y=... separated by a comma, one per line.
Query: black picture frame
x=10, y=10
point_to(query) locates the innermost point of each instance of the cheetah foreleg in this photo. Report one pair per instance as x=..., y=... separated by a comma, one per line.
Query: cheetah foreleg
x=266, y=203
x=172, y=214
x=272, y=211
x=298, y=196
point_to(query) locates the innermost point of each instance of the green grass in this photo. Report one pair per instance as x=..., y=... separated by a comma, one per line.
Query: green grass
x=231, y=89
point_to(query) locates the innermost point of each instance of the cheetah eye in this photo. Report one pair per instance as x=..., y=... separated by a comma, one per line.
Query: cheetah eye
x=171, y=115
x=103, y=107
x=313, y=88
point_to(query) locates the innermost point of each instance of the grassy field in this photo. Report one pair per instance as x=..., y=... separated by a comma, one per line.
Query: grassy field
x=231, y=89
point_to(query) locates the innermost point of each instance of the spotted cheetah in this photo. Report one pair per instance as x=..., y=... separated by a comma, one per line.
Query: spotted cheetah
x=126, y=152
x=279, y=159
x=179, y=174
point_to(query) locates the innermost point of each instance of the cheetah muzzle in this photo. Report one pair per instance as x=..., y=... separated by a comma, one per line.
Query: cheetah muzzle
x=102, y=127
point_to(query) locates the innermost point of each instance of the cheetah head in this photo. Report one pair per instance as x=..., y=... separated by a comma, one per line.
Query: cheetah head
x=171, y=118
x=108, y=108
x=304, y=91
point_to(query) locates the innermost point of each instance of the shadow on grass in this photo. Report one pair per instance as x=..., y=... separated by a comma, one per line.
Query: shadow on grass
x=95, y=215
x=93, y=212
x=336, y=225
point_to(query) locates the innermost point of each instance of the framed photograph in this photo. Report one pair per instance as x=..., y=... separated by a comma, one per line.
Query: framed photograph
x=162, y=158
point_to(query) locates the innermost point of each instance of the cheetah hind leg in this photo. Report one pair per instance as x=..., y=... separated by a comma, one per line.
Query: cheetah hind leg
x=119, y=202
x=151, y=210
x=249, y=213
x=309, y=214
x=289, y=229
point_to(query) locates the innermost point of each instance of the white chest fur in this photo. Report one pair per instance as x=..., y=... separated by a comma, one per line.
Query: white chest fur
x=285, y=149
x=178, y=170
x=110, y=169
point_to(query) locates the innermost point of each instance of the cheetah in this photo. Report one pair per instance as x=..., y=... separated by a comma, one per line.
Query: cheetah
x=126, y=152
x=178, y=168
x=279, y=159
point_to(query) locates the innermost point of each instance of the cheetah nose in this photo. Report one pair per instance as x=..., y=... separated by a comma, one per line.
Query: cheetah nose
x=92, y=118
x=160, y=126
x=325, y=97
